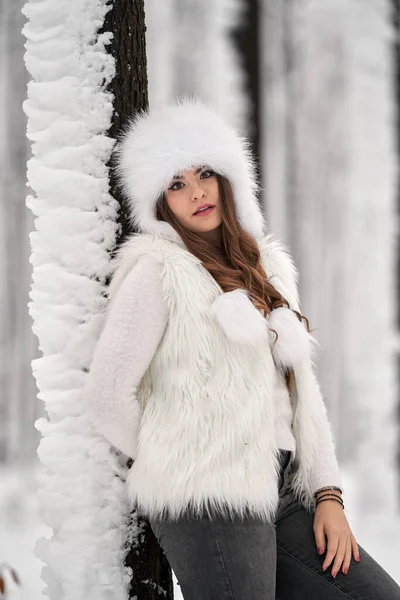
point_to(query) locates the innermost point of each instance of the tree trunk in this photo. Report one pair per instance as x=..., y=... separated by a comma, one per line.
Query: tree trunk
x=152, y=575
x=246, y=36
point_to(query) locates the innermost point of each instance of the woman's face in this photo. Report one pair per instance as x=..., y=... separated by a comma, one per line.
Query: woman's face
x=188, y=191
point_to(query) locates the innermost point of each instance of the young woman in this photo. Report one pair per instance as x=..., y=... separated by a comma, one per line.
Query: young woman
x=203, y=375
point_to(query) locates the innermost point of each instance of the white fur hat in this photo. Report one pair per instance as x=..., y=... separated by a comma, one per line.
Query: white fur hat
x=156, y=145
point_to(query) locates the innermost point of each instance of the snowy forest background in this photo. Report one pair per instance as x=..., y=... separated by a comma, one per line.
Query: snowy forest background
x=315, y=85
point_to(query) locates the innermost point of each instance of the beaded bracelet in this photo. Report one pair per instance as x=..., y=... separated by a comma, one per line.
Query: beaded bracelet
x=324, y=489
x=331, y=498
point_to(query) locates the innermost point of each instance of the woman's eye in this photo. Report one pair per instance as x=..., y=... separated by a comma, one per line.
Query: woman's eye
x=173, y=188
x=205, y=175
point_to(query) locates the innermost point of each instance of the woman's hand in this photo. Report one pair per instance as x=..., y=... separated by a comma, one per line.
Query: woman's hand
x=330, y=520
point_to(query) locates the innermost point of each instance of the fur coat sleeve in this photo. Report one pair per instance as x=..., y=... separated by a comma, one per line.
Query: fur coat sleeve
x=313, y=415
x=122, y=354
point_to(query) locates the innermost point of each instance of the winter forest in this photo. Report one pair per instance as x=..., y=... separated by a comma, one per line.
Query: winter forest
x=315, y=86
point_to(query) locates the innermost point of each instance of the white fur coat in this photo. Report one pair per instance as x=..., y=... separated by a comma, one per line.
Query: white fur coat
x=200, y=426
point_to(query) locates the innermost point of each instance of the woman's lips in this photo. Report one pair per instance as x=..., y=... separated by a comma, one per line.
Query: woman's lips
x=204, y=213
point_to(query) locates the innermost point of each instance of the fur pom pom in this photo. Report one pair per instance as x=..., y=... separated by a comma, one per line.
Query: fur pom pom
x=294, y=341
x=239, y=318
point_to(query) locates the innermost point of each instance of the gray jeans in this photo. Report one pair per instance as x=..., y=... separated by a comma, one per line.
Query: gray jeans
x=225, y=559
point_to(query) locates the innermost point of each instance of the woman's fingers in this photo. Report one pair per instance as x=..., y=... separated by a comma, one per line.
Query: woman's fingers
x=354, y=546
x=319, y=535
x=333, y=542
x=341, y=550
x=347, y=556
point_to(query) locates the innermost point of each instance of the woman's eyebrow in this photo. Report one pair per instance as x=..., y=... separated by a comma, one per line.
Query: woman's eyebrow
x=197, y=171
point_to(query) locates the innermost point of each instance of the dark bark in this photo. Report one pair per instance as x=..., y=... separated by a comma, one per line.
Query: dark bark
x=130, y=87
x=247, y=39
x=152, y=575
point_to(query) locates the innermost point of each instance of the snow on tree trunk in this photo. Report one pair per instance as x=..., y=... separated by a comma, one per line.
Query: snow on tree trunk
x=83, y=495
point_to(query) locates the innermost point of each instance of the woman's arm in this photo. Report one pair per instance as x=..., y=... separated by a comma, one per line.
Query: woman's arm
x=135, y=323
x=284, y=275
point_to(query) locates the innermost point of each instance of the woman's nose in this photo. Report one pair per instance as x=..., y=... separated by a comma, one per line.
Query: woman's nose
x=197, y=192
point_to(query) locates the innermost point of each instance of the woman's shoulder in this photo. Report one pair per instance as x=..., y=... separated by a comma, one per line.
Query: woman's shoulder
x=278, y=256
x=135, y=246
x=138, y=245
x=280, y=266
x=136, y=268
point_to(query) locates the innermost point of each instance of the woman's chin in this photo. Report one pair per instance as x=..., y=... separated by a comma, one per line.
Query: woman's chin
x=211, y=225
